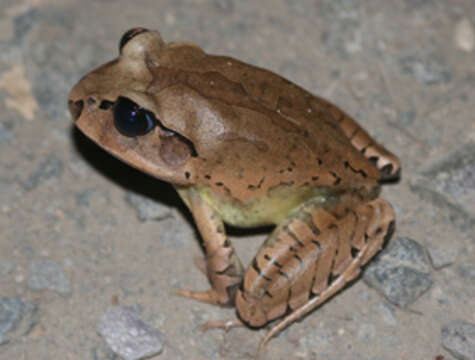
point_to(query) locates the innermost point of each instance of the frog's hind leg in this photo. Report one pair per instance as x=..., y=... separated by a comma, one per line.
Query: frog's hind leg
x=386, y=162
x=309, y=258
x=223, y=267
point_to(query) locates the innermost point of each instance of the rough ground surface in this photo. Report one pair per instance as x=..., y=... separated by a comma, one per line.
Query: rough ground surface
x=73, y=244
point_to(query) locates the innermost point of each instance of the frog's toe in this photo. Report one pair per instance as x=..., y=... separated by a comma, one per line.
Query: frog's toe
x=208, y=297
x=223, y=324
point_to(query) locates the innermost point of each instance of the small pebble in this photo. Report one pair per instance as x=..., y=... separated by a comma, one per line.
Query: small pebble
x=16, y=318
x=458, y=337
x=453, y=179
x=400, y=272
x=386, y=310
x=6, y=267
x=11, y=312
x=49, y=168
x=47, y=275
x=128, y=335
x=441, y=257
x=466, y=271
x=464, y=35
x=428, y=70
x=148, y=209
x=6, y=131
x=366, y=332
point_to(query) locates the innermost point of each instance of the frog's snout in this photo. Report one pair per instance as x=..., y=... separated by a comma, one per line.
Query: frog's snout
x=75, y=108
x=76, y=100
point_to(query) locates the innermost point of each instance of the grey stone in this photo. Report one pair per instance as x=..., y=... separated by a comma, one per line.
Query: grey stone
x=430, y=70
x=47, y=275
x=128, y=335
x=23, y=23
x=466, y=271
x=450, y=183
x=50, y=16
x=464, y=35
x=457, y=215
x=458, y=337
x=441, y=256
x=148, y=209
x=50, y=58
x=454, y=176
x=341, y=37
x=416, y=3
x=401, y=272
x=16, y=318
x=225, y=7
x=6, y=267
x=85, y=197
x=366, y=332
x=6, y=131
x=48, y=87
x=386, y=310
x=11, y=312
x=406, y=117
x=49, y=168
x=103, y=353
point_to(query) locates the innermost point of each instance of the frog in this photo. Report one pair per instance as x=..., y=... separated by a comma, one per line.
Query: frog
x=246, y=147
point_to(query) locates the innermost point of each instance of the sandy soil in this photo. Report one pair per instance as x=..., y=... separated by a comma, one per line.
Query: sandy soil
x=72, y=245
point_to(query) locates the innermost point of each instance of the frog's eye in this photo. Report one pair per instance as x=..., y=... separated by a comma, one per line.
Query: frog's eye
x=132, y=120
x=129, y=35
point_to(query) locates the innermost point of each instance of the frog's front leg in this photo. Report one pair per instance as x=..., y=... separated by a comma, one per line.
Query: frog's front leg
x=223, y=267
x=308, y=258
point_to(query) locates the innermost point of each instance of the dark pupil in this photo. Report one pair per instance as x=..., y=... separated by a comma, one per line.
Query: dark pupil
x=130, y=119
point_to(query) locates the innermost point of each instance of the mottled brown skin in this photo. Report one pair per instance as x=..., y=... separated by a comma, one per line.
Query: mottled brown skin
x=245, y=146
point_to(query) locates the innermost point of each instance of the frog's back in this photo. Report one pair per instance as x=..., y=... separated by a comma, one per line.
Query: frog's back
x=275, y=133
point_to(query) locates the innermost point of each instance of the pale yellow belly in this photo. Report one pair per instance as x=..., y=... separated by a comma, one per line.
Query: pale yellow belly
x=270, y=209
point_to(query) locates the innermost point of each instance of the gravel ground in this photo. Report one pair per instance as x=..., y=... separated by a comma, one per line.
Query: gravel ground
x=91, y=250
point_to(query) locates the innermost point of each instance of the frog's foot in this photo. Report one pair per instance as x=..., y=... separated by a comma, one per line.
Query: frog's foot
x=226, y=324
x=209, y=297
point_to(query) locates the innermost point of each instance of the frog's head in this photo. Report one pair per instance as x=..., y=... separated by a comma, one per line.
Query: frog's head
x=111, y=106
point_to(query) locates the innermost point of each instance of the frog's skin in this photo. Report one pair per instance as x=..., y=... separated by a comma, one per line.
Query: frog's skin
x=247, y=147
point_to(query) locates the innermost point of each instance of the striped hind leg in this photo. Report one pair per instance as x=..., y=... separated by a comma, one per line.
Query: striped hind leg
x=309, y=258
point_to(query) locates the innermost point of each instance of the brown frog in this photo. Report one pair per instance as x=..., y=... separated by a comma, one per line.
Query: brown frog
x=246, y=147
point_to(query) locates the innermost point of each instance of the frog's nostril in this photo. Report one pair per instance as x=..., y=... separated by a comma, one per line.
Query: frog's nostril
x=75, y=108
